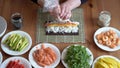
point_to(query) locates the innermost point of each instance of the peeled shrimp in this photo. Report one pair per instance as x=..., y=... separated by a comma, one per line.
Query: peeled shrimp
x=118, y=41
x=99, y=36
x=100, y=41
x=108, y=43
x=108, y=38
x=105, y=38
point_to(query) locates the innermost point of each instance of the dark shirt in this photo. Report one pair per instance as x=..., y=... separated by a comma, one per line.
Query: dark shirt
x=83, y=1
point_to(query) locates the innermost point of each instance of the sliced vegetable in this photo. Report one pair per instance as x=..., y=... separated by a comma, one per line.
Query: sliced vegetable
x=77, y=57
x=15, y=64
x=16, y=42
x=107, y=62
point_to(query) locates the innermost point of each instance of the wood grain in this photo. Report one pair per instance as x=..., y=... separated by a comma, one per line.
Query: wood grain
x=91, y=10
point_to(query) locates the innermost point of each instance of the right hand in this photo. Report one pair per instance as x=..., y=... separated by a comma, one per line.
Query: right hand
x=65, y=11
x=61, y=12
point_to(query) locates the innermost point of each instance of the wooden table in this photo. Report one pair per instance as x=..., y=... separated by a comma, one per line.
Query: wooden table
x=91, y=11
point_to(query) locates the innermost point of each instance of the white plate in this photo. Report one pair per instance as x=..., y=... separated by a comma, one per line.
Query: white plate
x=56, y=50
x=104, y=29
x=103, y=57
x=1, y=57
x=23, y=61
x=3, y=26
x=7, y=50
x=65, y=51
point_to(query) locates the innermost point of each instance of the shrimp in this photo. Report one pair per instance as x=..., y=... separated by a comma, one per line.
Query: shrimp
x=118, y=41
x=100, y=41
x=112, y=46
x=105, y=38
x=107, y=33
x=108, y=38
x=111, y=36
x=99, y=36
x=115, y=35
x=108, y=43
x=114, y=41
x=111, y=31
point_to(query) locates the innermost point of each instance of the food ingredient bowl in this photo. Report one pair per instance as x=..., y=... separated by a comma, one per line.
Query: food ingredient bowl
x=3, y=26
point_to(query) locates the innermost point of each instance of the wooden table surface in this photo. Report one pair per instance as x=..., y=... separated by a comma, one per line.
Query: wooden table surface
x=91, y=10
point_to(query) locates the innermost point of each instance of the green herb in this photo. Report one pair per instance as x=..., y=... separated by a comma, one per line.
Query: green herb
x=77, y=57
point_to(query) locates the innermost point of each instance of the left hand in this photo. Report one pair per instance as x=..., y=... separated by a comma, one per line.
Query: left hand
x=55, y=11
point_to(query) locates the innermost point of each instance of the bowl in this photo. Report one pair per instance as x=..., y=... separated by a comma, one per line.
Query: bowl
x=101, y=46
x=65, y=51
x=103, y=56
x=23, y=61
x=3, y=26
x=9, y=51
x=1, y=57
x=53, y=47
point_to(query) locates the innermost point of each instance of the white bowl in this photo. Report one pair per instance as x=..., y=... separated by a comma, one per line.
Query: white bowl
x=106, y=48
x=53, y=65
x=103, y=57
x=65, y=51
x=23, y=61
x=7, y=50
x=3, y=26
x=1, y=57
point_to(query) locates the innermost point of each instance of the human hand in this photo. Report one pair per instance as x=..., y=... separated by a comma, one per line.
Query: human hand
x=61, y=12
x=55, y=11
x=65, y=11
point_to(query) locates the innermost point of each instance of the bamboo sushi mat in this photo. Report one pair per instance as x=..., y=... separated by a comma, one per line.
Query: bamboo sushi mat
x=77, y=15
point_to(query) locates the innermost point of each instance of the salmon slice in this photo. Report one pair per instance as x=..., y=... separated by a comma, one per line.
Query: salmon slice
x=44, y=56
x=51, y=53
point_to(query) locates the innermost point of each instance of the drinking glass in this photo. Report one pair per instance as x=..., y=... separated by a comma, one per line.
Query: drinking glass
x=17, y=20
x=104, y=18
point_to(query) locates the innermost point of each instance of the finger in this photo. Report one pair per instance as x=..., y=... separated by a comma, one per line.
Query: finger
x=55, y=11
x=67, y=16
x=62, y=11
x=64, y=14
x=59, y=9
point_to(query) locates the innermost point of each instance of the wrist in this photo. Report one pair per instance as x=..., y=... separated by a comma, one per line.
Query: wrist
x=73, y=3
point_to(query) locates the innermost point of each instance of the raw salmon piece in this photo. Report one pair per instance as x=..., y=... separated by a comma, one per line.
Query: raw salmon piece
x=49, y=58
x=42, y=46
x=41, y=64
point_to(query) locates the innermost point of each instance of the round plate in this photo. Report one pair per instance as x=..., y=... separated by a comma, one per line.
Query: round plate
x=1, y=57
x=3, y=26
x=7, y=50
x=56, y=50
x=104, y=29
x=65, y=51
x=23, y=61
x=103, y=57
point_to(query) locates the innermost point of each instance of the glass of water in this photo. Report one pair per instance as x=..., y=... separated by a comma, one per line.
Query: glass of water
x=104, y=18
x=17, y=20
